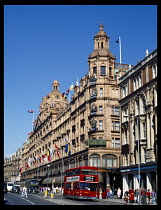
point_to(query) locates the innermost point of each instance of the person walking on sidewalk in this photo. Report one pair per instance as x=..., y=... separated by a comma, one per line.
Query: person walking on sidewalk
x=126, y=196
x=118, y=193
x=148, y=195
x=153, y=196
x=143, y=194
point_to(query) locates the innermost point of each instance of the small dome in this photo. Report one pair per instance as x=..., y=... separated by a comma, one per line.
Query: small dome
x=55, y=82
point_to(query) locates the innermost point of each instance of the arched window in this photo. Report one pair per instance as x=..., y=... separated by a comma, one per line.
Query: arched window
x=95, y=160
x=109, y=161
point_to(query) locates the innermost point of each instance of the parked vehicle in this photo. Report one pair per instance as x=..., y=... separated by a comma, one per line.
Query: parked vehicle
x=10, y=185
x=15, y=189
x=32, y=189
x=5, y=187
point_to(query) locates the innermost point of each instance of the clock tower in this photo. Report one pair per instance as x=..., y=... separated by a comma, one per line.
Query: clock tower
x=101, y=60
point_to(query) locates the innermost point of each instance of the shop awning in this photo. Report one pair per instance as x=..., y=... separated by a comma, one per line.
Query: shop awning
x=48, y=181
x=53, y=180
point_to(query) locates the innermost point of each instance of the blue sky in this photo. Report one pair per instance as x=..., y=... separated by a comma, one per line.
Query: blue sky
x=43, y=43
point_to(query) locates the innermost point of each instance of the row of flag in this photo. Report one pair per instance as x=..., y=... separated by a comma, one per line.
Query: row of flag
x=39, y=158
x=65, y=94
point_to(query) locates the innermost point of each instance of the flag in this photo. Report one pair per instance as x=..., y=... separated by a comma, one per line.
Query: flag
x=67, y=148
x=67, y=92
x=29, y=162
x=39, y=158
x=44, y=156
x=30, y=133
x=51, y=152
x=34, y=159
x=48, y=155
x=63, y=95
x=117, y=41
x=30, y=111
x=20, y=169
x=57, y=150
x=70, y=143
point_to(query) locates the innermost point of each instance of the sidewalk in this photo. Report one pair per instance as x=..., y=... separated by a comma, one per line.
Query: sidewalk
x=110, y=200
x=116, y=200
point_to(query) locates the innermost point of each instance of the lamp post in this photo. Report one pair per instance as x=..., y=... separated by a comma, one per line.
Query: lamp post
x=48, y=166
x=138, y=123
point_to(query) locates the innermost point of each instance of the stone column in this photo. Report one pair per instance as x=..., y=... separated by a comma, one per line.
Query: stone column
x=125, y=183
x=148, y=181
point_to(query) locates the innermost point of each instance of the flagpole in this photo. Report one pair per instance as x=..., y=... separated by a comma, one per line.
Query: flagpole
x=33, y=120
x=120, y=48
x=62, y=171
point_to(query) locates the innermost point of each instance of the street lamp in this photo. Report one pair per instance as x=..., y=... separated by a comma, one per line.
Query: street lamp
x=48, y=166
x=138, y=119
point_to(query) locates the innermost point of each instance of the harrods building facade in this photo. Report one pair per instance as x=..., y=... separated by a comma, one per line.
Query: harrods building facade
x=90, y=121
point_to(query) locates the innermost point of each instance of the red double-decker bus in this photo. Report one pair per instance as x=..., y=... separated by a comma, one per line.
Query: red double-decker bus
x=81, y=183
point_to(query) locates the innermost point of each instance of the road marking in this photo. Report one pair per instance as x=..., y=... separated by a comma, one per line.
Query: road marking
x=24, y=199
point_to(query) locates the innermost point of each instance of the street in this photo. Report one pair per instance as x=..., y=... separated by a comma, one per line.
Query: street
x=38, y=199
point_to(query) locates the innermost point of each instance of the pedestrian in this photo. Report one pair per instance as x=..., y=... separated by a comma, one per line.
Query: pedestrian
x=148, y=196
x=107, y=193
x=143, y=194
x=135, y=196
x=24, y=192
x=153, y=196
x=126, y=196
x=100, y=193
x=110, y=193
x=118, y=193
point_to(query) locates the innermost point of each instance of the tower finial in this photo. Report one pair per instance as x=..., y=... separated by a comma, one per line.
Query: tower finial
x=101, y=26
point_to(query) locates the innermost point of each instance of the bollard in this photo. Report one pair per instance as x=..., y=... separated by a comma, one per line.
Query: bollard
x=52, y=195
x=45, y=193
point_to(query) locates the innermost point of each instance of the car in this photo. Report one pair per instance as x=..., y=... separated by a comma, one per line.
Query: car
x=33, y=190
x=15, y=189
x=5, y=188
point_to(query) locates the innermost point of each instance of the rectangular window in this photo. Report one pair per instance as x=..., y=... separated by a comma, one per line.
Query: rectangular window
x=154, y=70
x=123, y=91
x=100, y=110
x=101, y=92
x=144, y=129
x=94, y=70
x=100, y=125
x=115, y=142
x=109, y=162
x=116, y=125
x=115, y=110
x=103, y=70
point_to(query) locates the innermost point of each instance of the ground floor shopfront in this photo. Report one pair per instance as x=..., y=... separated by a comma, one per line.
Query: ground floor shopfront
x=106, y=160
x=148, y=177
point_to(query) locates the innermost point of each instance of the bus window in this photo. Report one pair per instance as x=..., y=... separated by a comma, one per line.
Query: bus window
x=68, y=186
x=88, y=186
x=89, y=172
x=76, y=186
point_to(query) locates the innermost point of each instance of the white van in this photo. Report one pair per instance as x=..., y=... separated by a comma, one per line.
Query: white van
x=10, y=185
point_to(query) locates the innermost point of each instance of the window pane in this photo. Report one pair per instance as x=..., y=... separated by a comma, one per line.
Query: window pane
x=114, y=162
x=103, y=70
x=109, y=162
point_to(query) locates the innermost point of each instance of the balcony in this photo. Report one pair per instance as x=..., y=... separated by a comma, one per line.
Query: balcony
x=96, y=142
